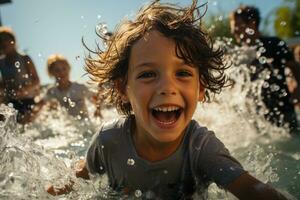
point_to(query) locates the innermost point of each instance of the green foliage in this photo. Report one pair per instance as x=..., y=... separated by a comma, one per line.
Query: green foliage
x=218, y=26
x=287, y=19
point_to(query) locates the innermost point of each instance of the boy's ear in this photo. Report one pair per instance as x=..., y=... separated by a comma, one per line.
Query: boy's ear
x=122, y=90
x=201, y=93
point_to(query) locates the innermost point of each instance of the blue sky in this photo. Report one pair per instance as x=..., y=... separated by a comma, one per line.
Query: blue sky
x=44, y=27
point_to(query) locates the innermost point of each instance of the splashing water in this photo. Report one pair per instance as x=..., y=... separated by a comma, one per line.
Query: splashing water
x=45, y=151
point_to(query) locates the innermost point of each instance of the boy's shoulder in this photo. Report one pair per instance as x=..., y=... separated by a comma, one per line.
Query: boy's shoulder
x=113, y=127
x=199, y=135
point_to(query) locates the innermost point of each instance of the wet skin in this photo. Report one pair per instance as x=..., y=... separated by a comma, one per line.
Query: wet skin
x=158, y=80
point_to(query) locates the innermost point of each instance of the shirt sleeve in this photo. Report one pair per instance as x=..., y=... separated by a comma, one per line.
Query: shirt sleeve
x=95, y=156
x=213, y=162
x=49, y=95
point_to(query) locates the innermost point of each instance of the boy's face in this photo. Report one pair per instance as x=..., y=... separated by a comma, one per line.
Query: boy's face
x=162, y=90
x=7, y=47
x=61, y=71
x=239, y=28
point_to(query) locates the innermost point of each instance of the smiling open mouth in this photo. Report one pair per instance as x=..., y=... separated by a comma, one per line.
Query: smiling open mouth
x=166, y=115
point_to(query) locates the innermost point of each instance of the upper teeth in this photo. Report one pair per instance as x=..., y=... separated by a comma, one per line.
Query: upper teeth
x=167, y=109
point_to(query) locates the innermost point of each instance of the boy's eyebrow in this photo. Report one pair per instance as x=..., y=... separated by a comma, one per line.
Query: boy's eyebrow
x=150, y=63
x=142, y=64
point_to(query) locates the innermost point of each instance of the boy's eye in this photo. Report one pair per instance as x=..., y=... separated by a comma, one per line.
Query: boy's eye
x=144, y=75
x=184, y=73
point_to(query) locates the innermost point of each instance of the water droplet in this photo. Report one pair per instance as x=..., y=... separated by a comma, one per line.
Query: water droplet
x=281, y=43
x=102, y=146
x=262, y=60
x=82, y=17
x=165, y=171
x=98, y=16
x=77, y=57
x=17, y=64
x=138, y=193
x=101, y=28
x=65, y=99
x=130, y=161
x=249, y=31
x=101, y=168
x=283, y=23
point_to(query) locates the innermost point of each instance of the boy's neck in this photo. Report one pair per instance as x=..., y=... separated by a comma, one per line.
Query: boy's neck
x=12, y=55
x=152, y=150
x=64, y=85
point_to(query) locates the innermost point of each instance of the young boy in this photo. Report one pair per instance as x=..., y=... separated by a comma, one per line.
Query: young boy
x=70, y=95
x=20, y=83
x=158, y=67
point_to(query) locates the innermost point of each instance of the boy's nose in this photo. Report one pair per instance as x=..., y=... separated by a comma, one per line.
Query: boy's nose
x=167, y=86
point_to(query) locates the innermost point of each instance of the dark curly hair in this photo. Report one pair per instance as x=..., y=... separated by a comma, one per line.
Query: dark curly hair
x=6, y=33
x=109, y=68
x=249, y=14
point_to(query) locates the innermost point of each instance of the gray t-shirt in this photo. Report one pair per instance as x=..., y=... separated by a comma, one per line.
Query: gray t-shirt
x=200, y=160
x=73, y=99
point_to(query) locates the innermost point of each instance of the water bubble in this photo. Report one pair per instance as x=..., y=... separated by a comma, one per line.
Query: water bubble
x=98, y=16
x=82, y=17
x=281, y=43
x=215, y=3
x=249, y=31
x=26, y=76
x=77, y=57
x=101, y=28
x=248, y=40
x=102, y=146
x=262, y=49
x=17, y=64
x=242, y=36
x=265, y=85
x=262, y=60
x=72, y=104
x=65, y=99
x=283, y=23
x=12, y=42
x=130, y=161
x=138, y=193
x=220, y=18
x=101, y=168
x=165, y=171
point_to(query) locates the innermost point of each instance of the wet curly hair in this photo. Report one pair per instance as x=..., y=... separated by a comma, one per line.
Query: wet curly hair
x=109, y=67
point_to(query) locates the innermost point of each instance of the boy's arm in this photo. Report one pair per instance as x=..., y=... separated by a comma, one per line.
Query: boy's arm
x=247, y=187
x=80, y=171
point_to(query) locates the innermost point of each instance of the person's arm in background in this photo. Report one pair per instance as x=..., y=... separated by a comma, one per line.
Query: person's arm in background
x=34, y=86
x=246, y=187
x=295, y=69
